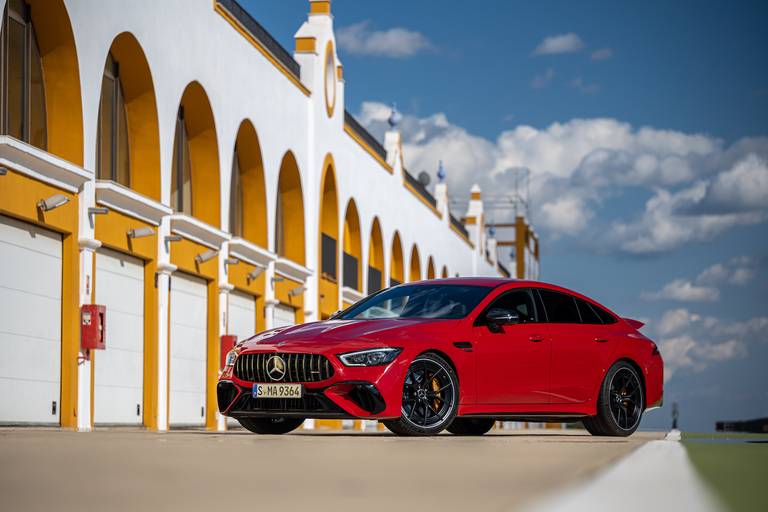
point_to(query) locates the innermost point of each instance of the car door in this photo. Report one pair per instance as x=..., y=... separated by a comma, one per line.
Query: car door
x=513, y=362
x=581, y=347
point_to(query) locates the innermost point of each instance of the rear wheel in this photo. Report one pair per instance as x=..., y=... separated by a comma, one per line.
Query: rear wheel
x=620, y=403
x=470, y=426
x=271, y=425
x=430, y=398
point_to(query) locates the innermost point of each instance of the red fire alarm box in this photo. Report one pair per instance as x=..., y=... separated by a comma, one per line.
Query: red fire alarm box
x=228, y=342
x=93, y=327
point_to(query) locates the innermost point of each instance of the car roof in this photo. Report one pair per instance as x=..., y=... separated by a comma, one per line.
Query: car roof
x=493, y=282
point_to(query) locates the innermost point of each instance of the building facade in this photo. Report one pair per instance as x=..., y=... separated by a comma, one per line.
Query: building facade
x=173, y=163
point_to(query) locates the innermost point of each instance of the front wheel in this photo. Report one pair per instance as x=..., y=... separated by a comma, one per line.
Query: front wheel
x=271, y=425
x=430, y=398
x=620, y=403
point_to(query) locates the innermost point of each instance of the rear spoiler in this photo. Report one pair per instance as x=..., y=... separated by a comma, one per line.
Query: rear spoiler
x=635, y=324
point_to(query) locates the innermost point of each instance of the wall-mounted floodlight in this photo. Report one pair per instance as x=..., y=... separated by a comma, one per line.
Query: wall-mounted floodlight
x=255, y=273
x=98, y=210
x=297, y=291
x=173, y=238
x=52, y=202
x=3, y=171
x=141, y=232
x=231, y=261
x=206, y=256
x=278, y=279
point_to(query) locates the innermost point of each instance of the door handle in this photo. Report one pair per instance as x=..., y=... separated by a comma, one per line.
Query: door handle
x=536, y=338
x=600, y=340
x=466, y=346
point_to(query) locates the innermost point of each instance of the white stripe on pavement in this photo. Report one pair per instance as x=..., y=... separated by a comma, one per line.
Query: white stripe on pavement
x=658, y=476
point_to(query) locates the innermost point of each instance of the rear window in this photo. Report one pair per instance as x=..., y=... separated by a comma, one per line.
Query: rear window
x=560, y=307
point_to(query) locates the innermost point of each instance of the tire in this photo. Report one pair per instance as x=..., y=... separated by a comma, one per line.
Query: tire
x=620, y=403
x=430, y=398
x=273, y=426
x=470, y=426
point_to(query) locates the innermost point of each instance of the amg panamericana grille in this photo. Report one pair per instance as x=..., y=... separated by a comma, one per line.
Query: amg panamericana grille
x=298, y=367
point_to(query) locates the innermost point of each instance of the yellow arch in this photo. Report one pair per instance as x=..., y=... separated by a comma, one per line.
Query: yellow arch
x=430, y=268
x=396, y=264
x=141, y=110
x=414, y=273
x=376, y=256
x=353, y=244
x=251, y=185
x=61, y=76
x=289, y=229
x=203, y=154
x=328, y=289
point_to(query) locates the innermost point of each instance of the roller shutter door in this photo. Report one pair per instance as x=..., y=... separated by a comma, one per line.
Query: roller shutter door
x=30, y=323
x=284, y=315
x=119, y=369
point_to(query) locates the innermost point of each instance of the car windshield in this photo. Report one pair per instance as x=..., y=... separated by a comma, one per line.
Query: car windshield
x=444, y=301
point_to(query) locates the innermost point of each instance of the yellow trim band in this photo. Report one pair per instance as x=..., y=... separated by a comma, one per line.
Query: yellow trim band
x=367, y=148
x=306, y=44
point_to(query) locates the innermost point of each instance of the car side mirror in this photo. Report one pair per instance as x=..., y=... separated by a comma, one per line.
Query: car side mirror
x=497, y=317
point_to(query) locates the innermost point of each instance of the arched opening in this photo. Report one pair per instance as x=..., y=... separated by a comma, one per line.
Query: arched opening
x=289, y=214
x=248, y=203
x=195, y=175
x=329, y=236
x=40, y=78
x=375, y=258
x=352, y=256
x=414, y=273
x=444, y=273
x=396, y=264
x=430, y=268
x=128, y=141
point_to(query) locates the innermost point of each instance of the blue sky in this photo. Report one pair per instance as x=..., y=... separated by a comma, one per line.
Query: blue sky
x=645, y=129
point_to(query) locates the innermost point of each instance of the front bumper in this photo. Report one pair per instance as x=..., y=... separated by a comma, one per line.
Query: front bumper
x=372, y=392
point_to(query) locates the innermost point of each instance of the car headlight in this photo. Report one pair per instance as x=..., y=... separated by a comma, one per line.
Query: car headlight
x=372, y=357
x=231, y=357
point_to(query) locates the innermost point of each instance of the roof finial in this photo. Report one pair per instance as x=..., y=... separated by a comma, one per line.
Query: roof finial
x=394, y=117
x=440, y=172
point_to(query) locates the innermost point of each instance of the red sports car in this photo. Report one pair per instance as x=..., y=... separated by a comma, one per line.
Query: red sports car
x=451, y=354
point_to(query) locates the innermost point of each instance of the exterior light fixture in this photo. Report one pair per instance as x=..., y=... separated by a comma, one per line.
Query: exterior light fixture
x=173, y=238
x=52, y=202
x=255, y=273
x=98, y=210
x=206, y=256
x=3, y=171
x=297, y=291
x=231, y=261
x=141, y=232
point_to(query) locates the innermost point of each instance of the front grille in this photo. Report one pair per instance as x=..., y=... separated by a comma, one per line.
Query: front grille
x=298, y=367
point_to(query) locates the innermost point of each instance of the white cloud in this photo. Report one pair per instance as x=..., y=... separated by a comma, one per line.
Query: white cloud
x=744, y=187
x=602, y=54
x=676, y=320
x=398, y=42
x=737, y=271
x=561, y=43
x=684, y=291
x=576, y=165
x=543, y=79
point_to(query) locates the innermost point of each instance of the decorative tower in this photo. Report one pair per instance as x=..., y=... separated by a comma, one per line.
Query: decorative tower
x=441, y=193
x=392, y=139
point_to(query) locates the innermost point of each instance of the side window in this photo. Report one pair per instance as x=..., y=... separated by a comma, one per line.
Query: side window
x=588, y=315
x=560, y=307
x=520, y=301
x=605, y=317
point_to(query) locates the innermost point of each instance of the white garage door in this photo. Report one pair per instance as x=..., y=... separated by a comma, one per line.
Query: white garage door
x=188, y=354
x=242, y=315
x=30, y=323
x=119, y=370
x=284, y=315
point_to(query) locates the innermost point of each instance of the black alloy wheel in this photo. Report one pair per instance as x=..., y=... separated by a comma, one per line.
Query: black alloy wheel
x=430, y=397
x=620, y=404
x=274, y=426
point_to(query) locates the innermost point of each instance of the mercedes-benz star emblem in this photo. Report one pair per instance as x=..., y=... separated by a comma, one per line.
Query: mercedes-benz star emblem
x=276, y=368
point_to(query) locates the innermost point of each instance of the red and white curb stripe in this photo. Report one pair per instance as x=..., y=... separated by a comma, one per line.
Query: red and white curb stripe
x=658, y=476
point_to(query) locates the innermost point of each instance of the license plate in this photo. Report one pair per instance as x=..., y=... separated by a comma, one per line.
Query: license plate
x=277, y=390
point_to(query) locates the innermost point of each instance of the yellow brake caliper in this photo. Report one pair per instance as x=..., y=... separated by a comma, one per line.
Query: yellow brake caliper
x=438, y=395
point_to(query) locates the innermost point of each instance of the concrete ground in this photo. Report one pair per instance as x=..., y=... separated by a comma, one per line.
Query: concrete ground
x=115, y=470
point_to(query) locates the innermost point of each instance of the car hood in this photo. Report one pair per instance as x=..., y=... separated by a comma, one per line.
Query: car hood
x=351, y=334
